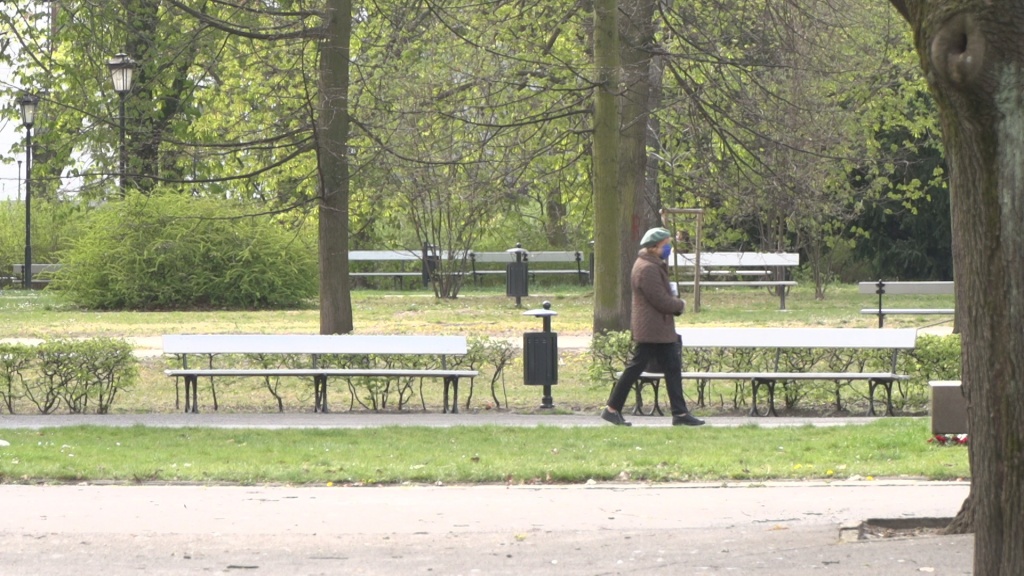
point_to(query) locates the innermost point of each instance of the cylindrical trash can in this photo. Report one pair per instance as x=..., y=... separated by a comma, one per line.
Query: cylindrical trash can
x=431, y=262
x=540, y=358
x=540, y=355
x=517, y=275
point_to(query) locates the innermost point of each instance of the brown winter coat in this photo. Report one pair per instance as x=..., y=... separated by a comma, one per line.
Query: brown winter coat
x=654, y=307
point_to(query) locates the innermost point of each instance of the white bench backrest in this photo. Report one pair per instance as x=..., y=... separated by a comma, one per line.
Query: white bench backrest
x=490, y=257
x=907, y=287
x=798, y=337
x=555, y=256
x=37, y=268
x=311, y=344
x=382, y=255
x=736, y=259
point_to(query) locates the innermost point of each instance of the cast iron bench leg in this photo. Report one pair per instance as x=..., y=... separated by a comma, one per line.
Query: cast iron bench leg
x=452, y=381
x=638, y=387
x=320, y=393
x=191, y=396
x=887, y=384
x=754, y=385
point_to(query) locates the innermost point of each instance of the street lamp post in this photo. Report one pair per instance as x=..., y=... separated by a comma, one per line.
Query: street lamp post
x=28, y=104
x=121, y=70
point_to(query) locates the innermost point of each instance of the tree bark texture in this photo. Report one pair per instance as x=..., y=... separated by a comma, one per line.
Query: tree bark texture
x=974, y=63
x=636, y=34
x=332, y=162
x=605, y=172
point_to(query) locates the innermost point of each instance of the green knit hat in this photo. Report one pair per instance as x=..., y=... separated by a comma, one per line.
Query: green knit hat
x=654, y=235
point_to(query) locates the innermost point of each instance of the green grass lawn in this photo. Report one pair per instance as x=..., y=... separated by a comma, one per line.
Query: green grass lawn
x=890, y=448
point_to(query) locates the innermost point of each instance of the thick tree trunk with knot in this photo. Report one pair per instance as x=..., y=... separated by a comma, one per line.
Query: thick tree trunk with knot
x=974, y=63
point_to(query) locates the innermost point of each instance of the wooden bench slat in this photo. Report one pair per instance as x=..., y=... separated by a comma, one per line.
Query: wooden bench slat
x=751, y=283
x=888, y=311
x=384, y=255
x=920, y=288
x=736, y=259
x=319, y=372
x=312, y=344
x=903, y=338
x=779, y=375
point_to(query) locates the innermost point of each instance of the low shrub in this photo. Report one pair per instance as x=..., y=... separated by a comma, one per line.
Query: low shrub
x=174, y=252
x=76, y=375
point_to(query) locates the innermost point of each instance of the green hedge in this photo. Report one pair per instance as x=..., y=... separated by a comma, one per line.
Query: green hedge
x=73, y=375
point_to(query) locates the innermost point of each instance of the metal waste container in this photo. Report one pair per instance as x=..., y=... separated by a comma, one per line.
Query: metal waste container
x=431, y=261
x=517, y=275
x=540, y=355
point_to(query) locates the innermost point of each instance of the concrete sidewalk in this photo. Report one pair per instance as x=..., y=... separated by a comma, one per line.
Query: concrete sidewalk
x=771, y=529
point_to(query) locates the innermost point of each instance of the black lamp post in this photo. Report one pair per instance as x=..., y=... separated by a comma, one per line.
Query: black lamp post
x=28, y=103
x=121, y=70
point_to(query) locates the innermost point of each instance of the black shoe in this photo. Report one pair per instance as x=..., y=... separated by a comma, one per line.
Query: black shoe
x=614, y=417
x=686, y=420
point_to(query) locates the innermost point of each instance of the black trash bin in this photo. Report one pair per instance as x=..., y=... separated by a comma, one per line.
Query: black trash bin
x=517, y=275
x=431, y=261
x=540, y=355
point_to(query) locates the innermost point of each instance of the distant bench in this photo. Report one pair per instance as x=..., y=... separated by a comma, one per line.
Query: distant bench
x=542, y=258
x=882, y=288
x=778, y=339
x=317, y=347
x=41, y=273
x=397, y=262
x=754, y=269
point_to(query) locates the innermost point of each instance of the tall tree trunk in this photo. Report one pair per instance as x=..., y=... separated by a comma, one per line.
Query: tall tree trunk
x=636, y=30
x=145, y=119
x=605, y=172
x=332, y=160
x=973, y=60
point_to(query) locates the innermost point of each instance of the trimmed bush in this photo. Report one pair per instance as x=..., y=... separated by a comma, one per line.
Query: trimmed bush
x=177, y=252
x=74, y=374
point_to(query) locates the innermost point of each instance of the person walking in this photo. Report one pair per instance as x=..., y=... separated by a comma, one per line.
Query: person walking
x=654, y=308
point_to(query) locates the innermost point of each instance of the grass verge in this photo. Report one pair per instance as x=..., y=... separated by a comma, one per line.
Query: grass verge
x=890, y=448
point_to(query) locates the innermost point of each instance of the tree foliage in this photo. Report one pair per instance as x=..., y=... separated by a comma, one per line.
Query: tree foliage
x=747, y=115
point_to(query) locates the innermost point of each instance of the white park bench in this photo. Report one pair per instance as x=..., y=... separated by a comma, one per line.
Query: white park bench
x=728, y=269
x=401, y=264
x=882, y=288
x=41, y=273
x=316, y=347
x=781, y=338
x=569, y=262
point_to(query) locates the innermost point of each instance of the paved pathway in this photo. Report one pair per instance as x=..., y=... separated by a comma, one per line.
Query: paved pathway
x=771, y=529
x=778, y=528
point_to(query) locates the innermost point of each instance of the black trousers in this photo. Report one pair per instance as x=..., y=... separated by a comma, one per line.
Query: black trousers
x=669, y=359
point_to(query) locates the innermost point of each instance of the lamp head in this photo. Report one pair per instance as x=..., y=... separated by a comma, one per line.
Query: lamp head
x=29, y=103
x=122, y=68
